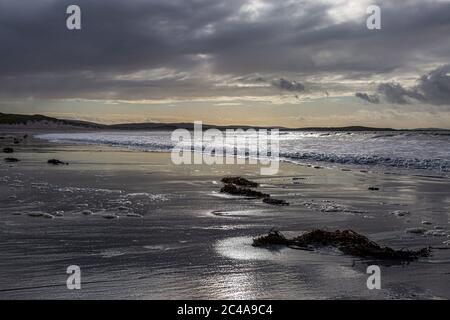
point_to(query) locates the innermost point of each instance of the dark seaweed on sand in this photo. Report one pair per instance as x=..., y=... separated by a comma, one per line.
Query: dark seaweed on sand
x=56, y=162
x=239, y=181
x=275, y=202
x=239, y=186
x=237, y=191
x=347, y=241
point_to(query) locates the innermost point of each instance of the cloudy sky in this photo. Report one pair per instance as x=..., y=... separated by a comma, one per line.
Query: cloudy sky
x=293, y=62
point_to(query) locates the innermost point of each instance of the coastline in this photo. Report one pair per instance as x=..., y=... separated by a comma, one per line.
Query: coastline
x=188, y=241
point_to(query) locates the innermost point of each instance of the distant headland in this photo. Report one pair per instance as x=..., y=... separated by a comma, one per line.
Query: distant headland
x=37, y=121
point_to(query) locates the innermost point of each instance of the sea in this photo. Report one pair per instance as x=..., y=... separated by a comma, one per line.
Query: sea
x=417, y=152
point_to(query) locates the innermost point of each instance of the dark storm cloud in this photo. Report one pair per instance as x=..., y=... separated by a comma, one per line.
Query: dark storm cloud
x=435, y=86
x=119, y=36
x=367, y=97
x=288, y=85
x=396, y=93
x=432, y=88
x=40, y=57
x=303, y=38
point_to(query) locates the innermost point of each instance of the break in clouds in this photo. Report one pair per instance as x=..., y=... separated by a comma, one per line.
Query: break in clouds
x=181, y=49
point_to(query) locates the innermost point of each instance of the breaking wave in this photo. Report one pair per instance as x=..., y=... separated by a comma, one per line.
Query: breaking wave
x=410, y=150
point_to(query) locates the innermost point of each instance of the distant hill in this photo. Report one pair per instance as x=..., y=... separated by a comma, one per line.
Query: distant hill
x=190, y=126
x=350, y=128
x=44, y=122
x=40, y=121
x=172, y=126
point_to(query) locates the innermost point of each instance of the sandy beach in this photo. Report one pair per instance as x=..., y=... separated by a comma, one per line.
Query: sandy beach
x=141, y=227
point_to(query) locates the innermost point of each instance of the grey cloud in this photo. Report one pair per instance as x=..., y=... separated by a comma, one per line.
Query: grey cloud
x=367, y=97
x=432, y=88
x=289, y=39
x=396, y=93
x=435, y=86
x=288, y=85
x=408, y=38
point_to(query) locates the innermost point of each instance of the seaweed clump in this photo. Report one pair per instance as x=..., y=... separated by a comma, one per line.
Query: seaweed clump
x=56, y=162
x=272, y=238
x=275, y=202
x=237, y=191
x=238, y=186
x=347, y=241
x=239, y=181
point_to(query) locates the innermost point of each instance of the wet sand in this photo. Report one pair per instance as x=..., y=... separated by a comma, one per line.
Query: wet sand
x=161, y=231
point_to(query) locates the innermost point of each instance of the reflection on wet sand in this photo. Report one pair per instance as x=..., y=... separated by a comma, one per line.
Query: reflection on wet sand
x=172, y=239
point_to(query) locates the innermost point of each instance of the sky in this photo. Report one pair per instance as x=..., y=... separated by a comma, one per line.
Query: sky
x=294, y=63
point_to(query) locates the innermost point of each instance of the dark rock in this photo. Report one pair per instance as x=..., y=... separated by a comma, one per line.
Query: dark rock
x=236, y=191
x=11, y=160
x=276, y=202
x=239, y=181
x=56, y=162
x=8, y=150
x=347, y=241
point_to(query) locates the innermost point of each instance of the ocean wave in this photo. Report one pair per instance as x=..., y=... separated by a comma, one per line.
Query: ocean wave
x=428, y=151
x=112, y=140
x=439, y=165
